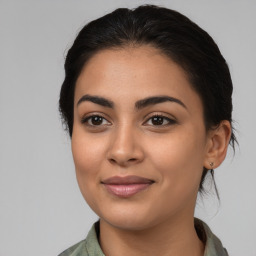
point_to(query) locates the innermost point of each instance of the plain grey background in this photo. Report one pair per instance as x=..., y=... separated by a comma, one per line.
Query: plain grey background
x=41, y=209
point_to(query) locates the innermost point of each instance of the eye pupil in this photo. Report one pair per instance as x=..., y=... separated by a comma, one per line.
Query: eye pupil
x=157, y=120
x=96, y=120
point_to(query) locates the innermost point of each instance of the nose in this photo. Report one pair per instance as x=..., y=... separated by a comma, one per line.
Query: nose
x=125, y=147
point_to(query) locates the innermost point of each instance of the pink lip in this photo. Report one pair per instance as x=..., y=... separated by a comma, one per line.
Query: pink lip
x=126, y=186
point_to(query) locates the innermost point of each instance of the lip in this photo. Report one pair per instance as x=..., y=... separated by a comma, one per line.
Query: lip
x=126, y=186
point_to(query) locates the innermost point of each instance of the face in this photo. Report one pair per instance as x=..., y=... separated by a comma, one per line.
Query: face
x=139, y=141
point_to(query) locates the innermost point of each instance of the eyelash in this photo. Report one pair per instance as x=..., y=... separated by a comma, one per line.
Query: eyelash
x=165, y=118
x=86, y=119
x=169, y=121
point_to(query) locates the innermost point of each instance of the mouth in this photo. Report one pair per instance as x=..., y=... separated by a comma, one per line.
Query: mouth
x=126, y=186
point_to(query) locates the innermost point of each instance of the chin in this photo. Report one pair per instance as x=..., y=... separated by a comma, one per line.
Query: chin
x=128, y=220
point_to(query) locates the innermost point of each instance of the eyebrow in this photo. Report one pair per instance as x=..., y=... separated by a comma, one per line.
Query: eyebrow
x=156, y=100
x=97, y=100
x=138, y=105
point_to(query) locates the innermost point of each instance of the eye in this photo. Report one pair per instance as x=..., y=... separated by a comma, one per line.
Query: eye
x=160, y=120
x=95, y=120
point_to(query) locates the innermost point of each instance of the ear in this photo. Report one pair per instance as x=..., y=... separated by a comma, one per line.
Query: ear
x=217, y=145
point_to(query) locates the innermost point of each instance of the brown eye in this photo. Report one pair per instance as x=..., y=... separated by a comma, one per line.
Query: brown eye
x=95, y=120
x=159, y=120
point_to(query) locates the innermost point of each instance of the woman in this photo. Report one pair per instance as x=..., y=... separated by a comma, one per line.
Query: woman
x=147, y=103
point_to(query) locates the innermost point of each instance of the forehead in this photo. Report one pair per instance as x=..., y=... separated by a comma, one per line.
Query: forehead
x=134, y=73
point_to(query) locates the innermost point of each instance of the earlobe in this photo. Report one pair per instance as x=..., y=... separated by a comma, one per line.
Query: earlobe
x=218, y=142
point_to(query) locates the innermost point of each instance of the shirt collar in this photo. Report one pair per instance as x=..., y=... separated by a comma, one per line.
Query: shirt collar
x=213, y=246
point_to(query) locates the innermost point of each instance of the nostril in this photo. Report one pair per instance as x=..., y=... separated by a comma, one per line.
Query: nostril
x=112, y=161
x=122, y=162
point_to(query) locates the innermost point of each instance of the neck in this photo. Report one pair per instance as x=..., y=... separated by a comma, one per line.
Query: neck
x=170, y=238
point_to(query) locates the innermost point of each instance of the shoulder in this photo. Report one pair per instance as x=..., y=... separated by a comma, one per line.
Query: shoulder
x=76, y=250
x=213, y=245
x=89, y=246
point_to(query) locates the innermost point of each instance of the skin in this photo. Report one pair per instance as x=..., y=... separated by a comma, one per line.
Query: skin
x=158, y=220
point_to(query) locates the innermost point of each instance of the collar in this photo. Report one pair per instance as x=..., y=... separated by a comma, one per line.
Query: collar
x=213, y=245
x=90, y=246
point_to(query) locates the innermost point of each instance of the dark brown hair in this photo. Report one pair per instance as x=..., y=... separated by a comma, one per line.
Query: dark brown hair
x=174, y=35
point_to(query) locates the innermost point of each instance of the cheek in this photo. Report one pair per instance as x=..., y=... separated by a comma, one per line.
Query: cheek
x=87, y=155
x=179, y=160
